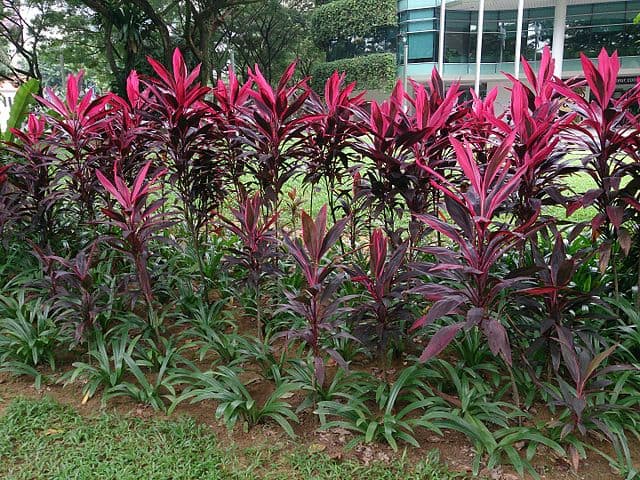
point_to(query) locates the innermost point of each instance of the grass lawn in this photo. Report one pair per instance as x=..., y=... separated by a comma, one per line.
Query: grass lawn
x=579, y=183
x=41, y=439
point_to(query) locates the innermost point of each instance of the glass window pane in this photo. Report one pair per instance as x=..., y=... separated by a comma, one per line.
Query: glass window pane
x=421, y=47
x=608, y=19
x=608, y=7
x=579, y=10
x=632, y=10
x=422, y=14
x=457, y=26
x=492, y=48
x=508, y=15
x=457, y=47
x=421, y=26
x=547, y=12
x=579, y=21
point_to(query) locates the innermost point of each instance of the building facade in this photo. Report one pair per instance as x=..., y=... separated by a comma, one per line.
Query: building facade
x=474, y=41
x=7, y=94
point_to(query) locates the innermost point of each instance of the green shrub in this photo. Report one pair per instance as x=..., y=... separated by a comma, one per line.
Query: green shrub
x=344, y=18
x=371, y=72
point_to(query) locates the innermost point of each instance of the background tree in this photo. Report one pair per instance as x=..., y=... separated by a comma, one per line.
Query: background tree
x=350, y=30
x=21, y=31
x=72, y=41
x=129, y=32
x=109, y=38
x=271, y=34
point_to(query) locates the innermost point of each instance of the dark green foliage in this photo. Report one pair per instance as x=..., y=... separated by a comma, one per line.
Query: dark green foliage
x=107, y=365
x=29, y=336
x=371, y=72
x=235, y=402
x=346, y=18
x=393, y=416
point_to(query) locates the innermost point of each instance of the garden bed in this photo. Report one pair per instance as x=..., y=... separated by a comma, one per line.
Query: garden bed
x=168, y=252
x=263, y=452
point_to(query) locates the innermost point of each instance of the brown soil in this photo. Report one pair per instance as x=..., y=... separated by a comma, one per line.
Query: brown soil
x=455, y=451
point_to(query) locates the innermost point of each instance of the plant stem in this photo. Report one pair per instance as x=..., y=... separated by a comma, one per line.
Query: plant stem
x=638, y=286
x=516, y=393
x=258, y=312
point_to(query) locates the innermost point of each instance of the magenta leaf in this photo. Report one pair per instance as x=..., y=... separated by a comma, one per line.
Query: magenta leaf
x=440, y=341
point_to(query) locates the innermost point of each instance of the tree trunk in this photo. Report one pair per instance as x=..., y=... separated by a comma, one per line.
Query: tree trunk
x=206, y=31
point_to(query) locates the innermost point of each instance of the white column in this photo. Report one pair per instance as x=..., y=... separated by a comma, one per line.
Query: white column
x=480, y=29
x=405, y=69
x=443, y=9
x=518, y=53
x=559, y=25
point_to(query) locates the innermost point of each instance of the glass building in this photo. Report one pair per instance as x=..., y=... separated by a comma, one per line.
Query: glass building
x=476, y=40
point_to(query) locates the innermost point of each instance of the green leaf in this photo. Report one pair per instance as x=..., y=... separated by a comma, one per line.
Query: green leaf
x=371, y=432
x=20, y=108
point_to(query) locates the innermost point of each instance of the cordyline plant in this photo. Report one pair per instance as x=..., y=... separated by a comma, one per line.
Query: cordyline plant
x=3, y=173
x=317, y=302
x=77, y=122
x=33, y=180
x=258, y=247
x=560, y=300
x=402, y=142
x=274, y=129
x=5, y=204
x=436, y=114
x=387, y=139
x=472, y=287
x=481, y=123
x=185, y=132
x=332, y=136
x=535, y=116
x=231, y=100
x=138, y=221
x=589, y=377
x=385, y=290
x=606, y=131
x=127, y=137
x=74, y=288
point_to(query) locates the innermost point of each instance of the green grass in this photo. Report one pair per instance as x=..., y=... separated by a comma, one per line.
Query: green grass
x=579, y=183
x=45, y=440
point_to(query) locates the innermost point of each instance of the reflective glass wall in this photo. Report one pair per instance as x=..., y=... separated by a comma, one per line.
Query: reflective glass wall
x=499, y=36
x=421, y=28
x=588, y=28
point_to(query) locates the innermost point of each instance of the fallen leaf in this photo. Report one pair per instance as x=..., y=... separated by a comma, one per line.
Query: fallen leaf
x=317, y=448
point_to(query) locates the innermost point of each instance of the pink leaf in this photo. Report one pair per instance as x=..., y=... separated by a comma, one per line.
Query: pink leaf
x=440, y=341
x=140, y=178
x=498, y=339
x=133, y=88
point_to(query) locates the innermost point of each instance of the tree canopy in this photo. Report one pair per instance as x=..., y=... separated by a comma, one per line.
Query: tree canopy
x=47, y=39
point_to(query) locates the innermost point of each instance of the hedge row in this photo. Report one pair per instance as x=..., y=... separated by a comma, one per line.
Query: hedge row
x=371, y=72
x=345, y=18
